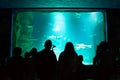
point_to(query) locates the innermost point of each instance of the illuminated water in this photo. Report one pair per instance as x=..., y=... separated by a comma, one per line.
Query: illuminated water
x=85, y=29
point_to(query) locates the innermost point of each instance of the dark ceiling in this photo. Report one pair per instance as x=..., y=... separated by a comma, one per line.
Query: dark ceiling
x=60, y=3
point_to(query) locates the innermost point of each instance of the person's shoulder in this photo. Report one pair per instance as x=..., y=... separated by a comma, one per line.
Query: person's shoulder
x=76, y=54
x=62, y=53
x=42, y=51
x=51, y=51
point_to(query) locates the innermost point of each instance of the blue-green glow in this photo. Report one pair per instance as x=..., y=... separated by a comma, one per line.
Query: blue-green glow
x=58, y=21
x=84, y=29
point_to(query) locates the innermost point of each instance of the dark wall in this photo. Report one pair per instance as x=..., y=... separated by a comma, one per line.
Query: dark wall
x=5, y=27
x=113, y=19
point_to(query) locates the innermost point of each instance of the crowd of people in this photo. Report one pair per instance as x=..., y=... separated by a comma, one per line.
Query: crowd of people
x=43, y=65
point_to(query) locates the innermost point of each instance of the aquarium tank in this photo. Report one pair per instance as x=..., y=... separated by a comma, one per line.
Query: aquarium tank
x=84, y=28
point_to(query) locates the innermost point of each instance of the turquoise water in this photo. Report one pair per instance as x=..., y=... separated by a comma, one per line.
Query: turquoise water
x=84, y=29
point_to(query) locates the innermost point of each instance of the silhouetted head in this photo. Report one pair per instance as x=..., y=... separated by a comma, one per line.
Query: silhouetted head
x=69, y=47
x=80, y=58
x=48, y=44
x=33, y=51
x=27, y=54
x=103, y=45
x=17, y=51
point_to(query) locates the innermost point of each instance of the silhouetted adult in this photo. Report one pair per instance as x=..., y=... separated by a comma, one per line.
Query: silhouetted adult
x=15, y=65
x=67, y=63
x=81, y=71
x=46, y=62
x=104, y=61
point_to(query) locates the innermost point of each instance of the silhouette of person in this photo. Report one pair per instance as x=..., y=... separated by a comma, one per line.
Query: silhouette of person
x=67, y=63
x=46, y=62
x=104, y=58
x=81, y=69
x=15, y=64
x=33, y=54
x=96, y=59
x=28, y=67
x=29, y=64
x=96, y=62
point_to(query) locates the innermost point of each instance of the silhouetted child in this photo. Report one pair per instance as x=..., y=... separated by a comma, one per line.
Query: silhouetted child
x=81, y=69
x=28, y=66
x=33, y=54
